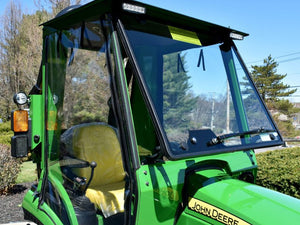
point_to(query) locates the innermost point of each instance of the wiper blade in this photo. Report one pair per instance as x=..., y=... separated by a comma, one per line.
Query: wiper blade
x=220, y=139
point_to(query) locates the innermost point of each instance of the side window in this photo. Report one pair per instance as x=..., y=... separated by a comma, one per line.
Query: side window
x=82, y=140
x=87, y=89
x=144, y=128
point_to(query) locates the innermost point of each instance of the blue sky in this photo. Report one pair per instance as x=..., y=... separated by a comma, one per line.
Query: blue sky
x=274, y=28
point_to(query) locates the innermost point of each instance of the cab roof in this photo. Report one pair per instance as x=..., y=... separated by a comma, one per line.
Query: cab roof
x=118, y=8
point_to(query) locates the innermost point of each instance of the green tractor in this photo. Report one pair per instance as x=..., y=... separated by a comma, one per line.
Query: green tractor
x=144, y=116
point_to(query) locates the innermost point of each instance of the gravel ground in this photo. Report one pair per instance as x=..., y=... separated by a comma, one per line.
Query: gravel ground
x=10, y=205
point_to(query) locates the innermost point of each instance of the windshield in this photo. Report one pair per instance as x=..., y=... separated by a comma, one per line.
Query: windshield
x=200, y=90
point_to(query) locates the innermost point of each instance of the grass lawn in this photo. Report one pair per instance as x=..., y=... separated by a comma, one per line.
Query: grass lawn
x=28, y=172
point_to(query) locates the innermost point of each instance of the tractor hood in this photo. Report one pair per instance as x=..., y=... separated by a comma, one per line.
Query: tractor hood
x=236, y=202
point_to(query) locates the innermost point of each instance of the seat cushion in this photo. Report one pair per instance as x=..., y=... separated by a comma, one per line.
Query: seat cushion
x=108, y=198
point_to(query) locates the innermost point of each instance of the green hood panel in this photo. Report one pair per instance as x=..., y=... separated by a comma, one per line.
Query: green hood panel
x=232, y=200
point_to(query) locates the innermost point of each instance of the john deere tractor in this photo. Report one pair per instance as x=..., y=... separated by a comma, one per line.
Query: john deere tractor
x=145, y=116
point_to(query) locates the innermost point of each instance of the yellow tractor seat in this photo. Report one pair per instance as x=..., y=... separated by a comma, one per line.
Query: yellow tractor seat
x=98, y=142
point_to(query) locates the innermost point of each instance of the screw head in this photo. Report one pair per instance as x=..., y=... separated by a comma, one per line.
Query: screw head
x=194, y=140
x=36, y=139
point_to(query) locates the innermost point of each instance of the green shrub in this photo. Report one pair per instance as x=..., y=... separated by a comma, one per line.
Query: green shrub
x=9, y=169
x=5, y=133
x=279, y=170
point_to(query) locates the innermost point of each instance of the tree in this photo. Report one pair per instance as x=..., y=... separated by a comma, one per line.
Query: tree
x=86, y=93
x=20, y=53
x=21, y=48
x=271, y=88
x=10, y=75
x=178, y=100
x=268, y=82
x=31, y=46
x=55, y=5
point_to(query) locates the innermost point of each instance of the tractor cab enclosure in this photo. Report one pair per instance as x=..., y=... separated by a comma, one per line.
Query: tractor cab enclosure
x=144, y=116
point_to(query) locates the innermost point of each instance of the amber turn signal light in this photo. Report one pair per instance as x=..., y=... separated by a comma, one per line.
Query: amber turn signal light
x=20, y=121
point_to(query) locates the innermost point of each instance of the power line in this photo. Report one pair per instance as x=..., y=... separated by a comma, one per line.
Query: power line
x=288, y=60
x=295, y=53
x=281, y=56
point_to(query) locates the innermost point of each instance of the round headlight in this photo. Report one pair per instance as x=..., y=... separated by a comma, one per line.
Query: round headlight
x=20, y=98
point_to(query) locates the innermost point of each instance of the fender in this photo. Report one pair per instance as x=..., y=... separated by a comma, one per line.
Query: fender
x=45, y=215
x=233, y=202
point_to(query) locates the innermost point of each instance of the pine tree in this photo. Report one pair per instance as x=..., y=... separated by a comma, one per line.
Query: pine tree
x=271, y=88
x=178, y=100
x=268, y=82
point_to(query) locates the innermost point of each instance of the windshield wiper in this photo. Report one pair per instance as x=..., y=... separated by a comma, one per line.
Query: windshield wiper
x=220, y=139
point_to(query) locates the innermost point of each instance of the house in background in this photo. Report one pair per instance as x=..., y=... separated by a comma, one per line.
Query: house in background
x=296, y=118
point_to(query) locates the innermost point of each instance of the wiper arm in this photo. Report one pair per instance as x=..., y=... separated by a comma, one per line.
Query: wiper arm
x=220, y=139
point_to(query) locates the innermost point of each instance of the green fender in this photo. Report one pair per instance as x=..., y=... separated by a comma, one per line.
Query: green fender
x=44, y=215
x=235, y=202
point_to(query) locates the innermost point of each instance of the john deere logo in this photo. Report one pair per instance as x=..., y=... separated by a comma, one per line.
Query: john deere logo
x=215, y=213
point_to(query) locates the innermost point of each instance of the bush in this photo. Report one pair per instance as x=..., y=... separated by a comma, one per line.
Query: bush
x=5, y=133
x=286, y=128
x=279, y=170
x=5, y=127
x=9, y=169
